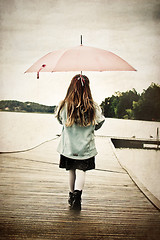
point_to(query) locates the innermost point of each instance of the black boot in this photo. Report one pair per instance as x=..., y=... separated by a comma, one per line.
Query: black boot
x=76, y=204
x=70, y=199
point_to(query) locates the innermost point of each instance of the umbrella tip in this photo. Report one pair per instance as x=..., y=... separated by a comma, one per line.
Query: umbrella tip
x=81, y=39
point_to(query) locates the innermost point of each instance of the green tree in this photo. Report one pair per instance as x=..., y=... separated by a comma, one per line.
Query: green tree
x=148, y=106
x=12, y=105
x=131, y=105
x=109, y=106
x=126, y=102
x=117, y=105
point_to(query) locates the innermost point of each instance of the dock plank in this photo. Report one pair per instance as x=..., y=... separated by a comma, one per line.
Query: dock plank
x=34, y=192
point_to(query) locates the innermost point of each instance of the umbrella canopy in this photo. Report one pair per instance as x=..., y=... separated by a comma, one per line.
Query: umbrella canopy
x=80, y=58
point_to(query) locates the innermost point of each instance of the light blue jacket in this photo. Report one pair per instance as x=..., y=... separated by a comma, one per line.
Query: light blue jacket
x=78, y=142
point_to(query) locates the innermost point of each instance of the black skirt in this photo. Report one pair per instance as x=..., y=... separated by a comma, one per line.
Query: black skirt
x=84, y=165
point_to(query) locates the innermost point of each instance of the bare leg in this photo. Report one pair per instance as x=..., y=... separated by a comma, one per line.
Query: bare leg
x=72, y=178
x=80, y=179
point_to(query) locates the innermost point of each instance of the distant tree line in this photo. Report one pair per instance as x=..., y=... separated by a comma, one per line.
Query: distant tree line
x=17, y=106
x=126, y=105
x=131, y=105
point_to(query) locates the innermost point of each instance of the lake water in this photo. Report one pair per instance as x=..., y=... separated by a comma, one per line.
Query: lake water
x=21, y=131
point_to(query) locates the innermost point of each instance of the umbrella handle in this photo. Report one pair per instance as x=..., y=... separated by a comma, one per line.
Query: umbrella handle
x=43, y=65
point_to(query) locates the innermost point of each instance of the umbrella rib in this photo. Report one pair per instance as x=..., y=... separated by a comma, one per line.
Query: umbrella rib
x=66, y=50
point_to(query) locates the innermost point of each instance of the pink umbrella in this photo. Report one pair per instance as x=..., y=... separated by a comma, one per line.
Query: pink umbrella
x=80, y=58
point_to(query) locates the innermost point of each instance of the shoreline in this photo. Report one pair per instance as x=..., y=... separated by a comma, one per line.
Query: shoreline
x=153, y=121
x=26, y=112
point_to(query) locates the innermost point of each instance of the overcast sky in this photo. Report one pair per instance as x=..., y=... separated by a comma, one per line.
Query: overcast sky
x=32, y=28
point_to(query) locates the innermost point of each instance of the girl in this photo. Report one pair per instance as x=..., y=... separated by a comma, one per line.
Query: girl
x=80, y=116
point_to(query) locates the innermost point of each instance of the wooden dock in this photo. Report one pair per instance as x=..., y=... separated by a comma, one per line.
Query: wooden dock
x=34, y=192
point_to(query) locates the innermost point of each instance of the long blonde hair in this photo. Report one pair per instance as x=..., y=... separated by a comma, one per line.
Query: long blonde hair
x=79, y=102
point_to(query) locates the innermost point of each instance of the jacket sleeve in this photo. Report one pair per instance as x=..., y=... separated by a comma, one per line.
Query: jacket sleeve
x=100, y=119
x=59, y=118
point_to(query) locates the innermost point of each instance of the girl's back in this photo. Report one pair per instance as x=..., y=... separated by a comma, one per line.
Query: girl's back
x=80, y=116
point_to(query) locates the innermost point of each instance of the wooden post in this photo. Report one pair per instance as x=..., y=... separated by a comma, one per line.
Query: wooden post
x=157, y=137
